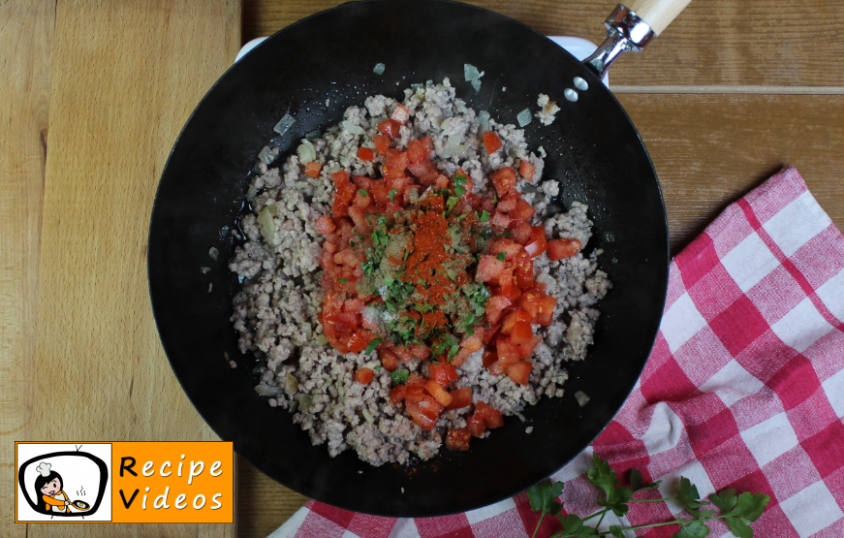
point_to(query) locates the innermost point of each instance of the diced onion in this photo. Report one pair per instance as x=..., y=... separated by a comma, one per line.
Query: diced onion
x=291, y=384
x=204, y=270
x=483, y=120
x=265, y=220
x=213, y=252
x=470, y=73
x=251, y=193
x=284, y=124
x=476, y=84
x=581, y=397
x=265, y=390
x=306, y=151
x=368, y=416
x=352, y=128
x=305, y=401
x=313, y=134
x=453, y=148
x=267, y=155
x=523, y=117
x=379, y=69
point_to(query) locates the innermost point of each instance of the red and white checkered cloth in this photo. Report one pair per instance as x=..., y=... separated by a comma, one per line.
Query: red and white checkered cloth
x=744, y=388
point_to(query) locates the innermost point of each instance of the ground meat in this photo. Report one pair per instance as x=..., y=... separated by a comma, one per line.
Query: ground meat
x=276, y=313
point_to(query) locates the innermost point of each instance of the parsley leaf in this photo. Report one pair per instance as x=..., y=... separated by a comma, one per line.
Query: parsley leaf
x=375, y=342
x=690, y=499
x=362, y=192
x=393, y=193
x=341, y=280
x=636, y=482
x=604, y=477
x=573, y=526
x=543, y=497
x=399, y=377
x=378, y=368
x=694, y=529
x=500, y=256
x=484, y=216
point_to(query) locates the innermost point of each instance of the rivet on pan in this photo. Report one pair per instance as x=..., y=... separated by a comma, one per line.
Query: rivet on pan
x=581, y=84
x=570, y=94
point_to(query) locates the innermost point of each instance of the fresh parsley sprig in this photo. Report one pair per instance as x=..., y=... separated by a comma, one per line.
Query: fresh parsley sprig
x=737, y=511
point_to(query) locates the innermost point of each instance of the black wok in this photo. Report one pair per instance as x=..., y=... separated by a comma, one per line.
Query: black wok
x=593, y=149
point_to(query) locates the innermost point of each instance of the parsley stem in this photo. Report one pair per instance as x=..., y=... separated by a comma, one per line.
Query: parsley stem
x=596, y=514
x=601, y=520
x=653, y=500
x=675, y=522
x=541, y=517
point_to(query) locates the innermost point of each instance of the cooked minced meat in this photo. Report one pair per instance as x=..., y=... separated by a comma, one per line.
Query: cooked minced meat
x=276, y=313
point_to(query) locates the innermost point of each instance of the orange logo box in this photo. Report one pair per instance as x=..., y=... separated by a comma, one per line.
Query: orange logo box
x=172, y=482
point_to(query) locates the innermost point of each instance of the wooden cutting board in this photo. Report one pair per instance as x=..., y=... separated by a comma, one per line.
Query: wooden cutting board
x=123, y=78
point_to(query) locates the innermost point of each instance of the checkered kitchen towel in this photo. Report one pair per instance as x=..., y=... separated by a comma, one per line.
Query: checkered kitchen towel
x=744, y=388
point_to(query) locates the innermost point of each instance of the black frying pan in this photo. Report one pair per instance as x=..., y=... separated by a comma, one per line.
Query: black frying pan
x=593, y=149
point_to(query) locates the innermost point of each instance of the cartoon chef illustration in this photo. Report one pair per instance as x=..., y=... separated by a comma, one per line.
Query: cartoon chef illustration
x=48, y=489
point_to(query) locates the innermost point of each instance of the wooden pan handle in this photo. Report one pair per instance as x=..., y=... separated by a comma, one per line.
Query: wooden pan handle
x=658, y=13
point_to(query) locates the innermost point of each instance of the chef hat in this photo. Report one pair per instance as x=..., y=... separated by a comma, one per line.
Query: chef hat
x=44, y=468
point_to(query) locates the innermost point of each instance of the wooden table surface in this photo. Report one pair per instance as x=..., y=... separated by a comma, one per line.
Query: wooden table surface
x=93, y=94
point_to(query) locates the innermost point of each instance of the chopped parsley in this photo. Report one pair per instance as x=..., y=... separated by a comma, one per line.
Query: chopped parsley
x=362, y=192
x=393, y=193
x=500, y=256
x=399, y=377
x=484, y=216
x=372, y=345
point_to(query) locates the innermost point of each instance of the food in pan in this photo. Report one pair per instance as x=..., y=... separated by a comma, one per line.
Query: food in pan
x=405, y=287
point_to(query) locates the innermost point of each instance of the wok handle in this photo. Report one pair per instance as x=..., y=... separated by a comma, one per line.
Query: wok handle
x=632, y=29
x=658, y=13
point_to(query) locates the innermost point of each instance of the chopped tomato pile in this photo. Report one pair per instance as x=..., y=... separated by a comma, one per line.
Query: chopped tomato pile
x=418, y=267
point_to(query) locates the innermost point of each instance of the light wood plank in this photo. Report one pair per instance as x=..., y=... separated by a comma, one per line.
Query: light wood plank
x=710, y=149
x=759, y=42
x=126, y=76
x=263, y=504
x=26, y=39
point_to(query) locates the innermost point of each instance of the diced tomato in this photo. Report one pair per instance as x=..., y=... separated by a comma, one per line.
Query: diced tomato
x=492, y=331
x=420, y=418
x=490, y=356
x=442, y=373
x=545, y=314
x=494, y=306
x=312, y=169
x=389, y=128
x=500, y=219
x=510, y=248
x=492, y=417
x=419, y=150
x=366, y=154
x=437, y=391
x=504, y=180
x=521, y=231
x=362, y=199
x=354, y=306
x=492, y=142
x=559, y=249
x=526, y=350
x=461, y=357
x=507, y=203
x=472, y=343
x=522, y=333
x=457, y=439
x=489, y=268
x=382, y=144
x=520, y=372
x=441, y=182
x=496, y=368
x=404, y=354
x=389, y=360
x=325, y=225
x=529, y=301
x=507, y=353
x=420, y=351
x=400, y=114
x=415, y=388
x=475, y=425
x=426, y=172
x=460, y=398
x=349, y=256
x=344, y=192
x=510, y=321
x=537, y=247
x=523, y=211
x=397, y=394
x=395, y=165
x=505, y=280
x=364, y=375
x=526, y=169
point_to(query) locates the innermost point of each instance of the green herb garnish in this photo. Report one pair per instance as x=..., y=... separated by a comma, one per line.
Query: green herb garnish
x=399, y=377
x=484, y=216
x=393, y=193
x=341, y=280
x=362, y=192
x=737, y=511
x=375, y=342
x=500, y=256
